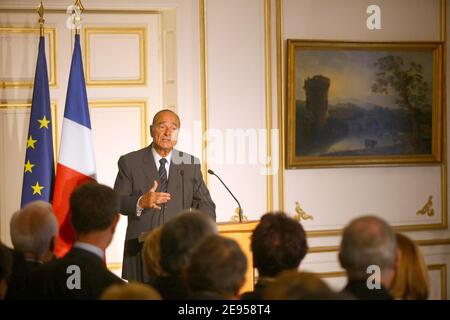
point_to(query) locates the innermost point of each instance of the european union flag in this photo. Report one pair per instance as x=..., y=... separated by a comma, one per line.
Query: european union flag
x=39, y=167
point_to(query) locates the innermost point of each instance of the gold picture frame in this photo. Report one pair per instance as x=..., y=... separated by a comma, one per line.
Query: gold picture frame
x=363, y=103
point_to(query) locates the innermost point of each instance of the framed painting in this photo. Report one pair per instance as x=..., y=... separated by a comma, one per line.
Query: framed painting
x=363, y=103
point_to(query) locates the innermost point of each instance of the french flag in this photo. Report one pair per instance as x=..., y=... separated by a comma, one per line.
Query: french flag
x=76, y=163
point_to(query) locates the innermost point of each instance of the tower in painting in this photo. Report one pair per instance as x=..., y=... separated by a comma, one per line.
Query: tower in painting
x=316, y=89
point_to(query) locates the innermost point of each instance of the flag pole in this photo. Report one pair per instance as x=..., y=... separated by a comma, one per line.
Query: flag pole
x=40, y=11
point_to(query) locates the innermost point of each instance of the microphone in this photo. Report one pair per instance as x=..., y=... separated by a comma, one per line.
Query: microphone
x=240, y=209
x=182, y=188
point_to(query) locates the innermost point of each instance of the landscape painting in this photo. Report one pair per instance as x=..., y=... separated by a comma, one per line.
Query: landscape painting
x=363, y=103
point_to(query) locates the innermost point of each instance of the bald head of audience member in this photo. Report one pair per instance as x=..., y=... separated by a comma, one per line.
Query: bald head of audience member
x=368, y=241
x=130, y=291
x=180, y=235
x=33, y=231
x=217, y=269
x=278, y=243
x=95, y=213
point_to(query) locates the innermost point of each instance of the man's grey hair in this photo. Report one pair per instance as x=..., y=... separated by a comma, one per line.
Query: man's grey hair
x=33, y=227
x=180, y=235
x=367, y=241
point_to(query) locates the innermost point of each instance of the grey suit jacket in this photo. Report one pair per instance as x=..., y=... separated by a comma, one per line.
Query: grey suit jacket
x=137, y=171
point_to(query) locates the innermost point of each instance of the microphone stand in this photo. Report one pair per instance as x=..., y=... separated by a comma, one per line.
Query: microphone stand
x=240, y=208
x=182, y=188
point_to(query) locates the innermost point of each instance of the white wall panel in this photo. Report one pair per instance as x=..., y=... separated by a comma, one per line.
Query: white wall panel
x=110, y=142
x=346, y=20
x=236, y=100
x=18, y=54
x=334, y=197
x=107, y=52
x=13, y=132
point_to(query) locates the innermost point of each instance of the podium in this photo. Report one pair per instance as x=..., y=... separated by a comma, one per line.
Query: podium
x=241, y=233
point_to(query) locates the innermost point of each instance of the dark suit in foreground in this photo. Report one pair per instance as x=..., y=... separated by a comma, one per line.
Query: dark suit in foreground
x=50, y=281
x=359, y=289
x=137, y=172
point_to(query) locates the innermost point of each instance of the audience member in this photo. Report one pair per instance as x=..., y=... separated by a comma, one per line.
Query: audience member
x=151, y=253
x=216, y=269
x=33, y=232
x=178, y=237
x=295, y=285
x=82, y=273
x=130, y=291
x=6, y=264
x=411, y=277
x=278, y=243
x=366, y=242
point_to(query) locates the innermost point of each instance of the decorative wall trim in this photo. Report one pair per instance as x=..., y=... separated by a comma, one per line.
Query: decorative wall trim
x=86, y=11
x=425, y=242
x=427, y=209
x=53, y=110
x=280, y=100
x=142, y=34
x=51, y=33
x=443, y=224
x=141, y=104
x=268, y=73
x=443, y=271
x=268, y=91
x=442, y=268
x=300, y=214
x=203, y=87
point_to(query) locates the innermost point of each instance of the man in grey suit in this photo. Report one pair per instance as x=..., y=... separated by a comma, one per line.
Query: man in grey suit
x=154, y=184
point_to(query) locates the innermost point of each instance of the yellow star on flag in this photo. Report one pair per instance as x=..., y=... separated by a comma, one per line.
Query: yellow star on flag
x=30, y=142
x=44, y=123
x=29, y=166
x=37, y=188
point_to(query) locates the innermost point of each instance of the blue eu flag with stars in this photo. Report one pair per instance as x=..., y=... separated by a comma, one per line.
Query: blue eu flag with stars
x=39, y=167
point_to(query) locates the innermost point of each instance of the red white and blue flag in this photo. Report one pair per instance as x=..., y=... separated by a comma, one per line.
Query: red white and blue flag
x=76, y=163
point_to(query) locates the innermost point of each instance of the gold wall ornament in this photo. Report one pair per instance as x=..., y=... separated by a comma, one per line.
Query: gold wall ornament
x=427, y=209
x=301, y=214
x=235, y=216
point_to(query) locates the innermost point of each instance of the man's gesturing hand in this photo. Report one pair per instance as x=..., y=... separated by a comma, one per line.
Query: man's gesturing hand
x=152, y=199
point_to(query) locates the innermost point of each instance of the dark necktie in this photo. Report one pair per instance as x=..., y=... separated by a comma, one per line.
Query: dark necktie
x=163, y=174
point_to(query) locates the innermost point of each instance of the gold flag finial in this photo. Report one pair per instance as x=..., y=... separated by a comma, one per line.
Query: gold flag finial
x=79, y=5
x=40, y=11
x=75, y=11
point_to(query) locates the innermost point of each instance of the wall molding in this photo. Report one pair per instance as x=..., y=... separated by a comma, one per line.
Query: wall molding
x=141, y=32
x=124, y=103
x=51, y=33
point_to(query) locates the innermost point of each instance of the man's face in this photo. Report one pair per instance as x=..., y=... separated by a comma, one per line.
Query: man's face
x=164, y=131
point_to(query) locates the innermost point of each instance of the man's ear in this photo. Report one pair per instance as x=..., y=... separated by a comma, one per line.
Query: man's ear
x=237, y=289
x=340, y=260
x=52, y=244
x=3, y=288
x=185, y=275
x=114, y=223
